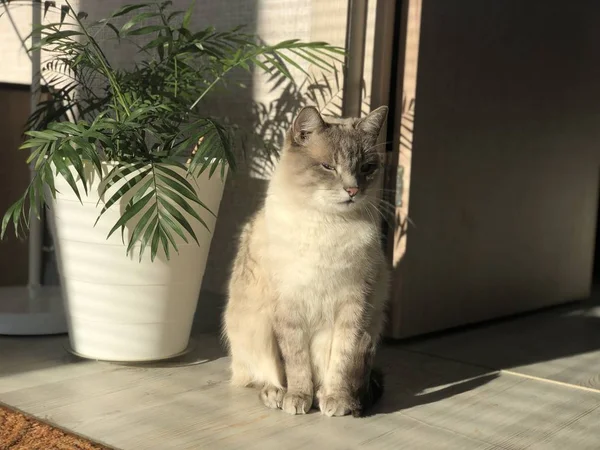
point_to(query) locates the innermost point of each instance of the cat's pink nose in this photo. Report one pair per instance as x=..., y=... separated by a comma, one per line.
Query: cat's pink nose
x=352, y=191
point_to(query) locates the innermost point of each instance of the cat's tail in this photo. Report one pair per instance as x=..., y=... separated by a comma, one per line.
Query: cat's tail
x=372, y=392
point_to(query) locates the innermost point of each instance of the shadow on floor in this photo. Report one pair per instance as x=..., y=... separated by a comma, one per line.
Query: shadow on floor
x=409, y=393
x=560, y=344
x=19, y=355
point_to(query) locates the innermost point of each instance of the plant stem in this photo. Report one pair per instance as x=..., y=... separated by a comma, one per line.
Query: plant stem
x=108, y=71
x=220, y=77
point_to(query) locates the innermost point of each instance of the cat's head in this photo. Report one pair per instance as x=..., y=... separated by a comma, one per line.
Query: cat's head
x=333, y=164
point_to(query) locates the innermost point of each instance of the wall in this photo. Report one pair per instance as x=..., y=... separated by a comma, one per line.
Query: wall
x=505, y=162
x=16, y=67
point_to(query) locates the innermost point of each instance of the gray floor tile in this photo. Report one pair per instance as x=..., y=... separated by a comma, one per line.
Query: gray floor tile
x=430, y=403
x=561, y=345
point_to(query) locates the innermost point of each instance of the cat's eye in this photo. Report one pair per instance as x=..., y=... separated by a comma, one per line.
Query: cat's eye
x=327, y=166
x=368, y=168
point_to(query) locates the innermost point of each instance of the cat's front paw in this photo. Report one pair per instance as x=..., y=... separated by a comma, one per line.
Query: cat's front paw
x=338, y=405
x=297, y=403
x=272, y=396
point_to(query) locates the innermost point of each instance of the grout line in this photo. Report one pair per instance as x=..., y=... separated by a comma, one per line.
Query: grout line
x=555, y=382
x=508, y=372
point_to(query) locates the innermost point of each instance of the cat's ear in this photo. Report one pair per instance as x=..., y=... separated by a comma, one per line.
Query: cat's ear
x=372, y=123
x=307, y=122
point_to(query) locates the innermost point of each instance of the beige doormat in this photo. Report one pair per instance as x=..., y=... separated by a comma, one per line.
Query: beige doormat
x=19, y=431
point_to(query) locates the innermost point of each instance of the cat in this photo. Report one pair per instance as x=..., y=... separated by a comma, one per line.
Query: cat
x=309, y=284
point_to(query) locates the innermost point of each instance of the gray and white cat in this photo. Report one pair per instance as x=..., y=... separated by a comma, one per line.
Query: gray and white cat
x=310, y=281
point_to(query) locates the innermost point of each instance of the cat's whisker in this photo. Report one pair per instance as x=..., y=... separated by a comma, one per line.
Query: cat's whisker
x=373, y=219
x=410, y=221
x=390, y=208
x=387, y=213
x=384, y=203
x=383, y=190
x=378, y=145
x=386, y=217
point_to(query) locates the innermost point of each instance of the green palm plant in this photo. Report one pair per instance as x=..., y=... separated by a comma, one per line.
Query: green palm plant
x=149, y=121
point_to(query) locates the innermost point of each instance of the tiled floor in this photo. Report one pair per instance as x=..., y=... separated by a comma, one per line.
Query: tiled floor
x=560, y=344
x=532, y=382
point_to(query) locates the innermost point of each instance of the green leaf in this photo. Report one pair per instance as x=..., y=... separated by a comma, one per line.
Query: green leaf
x=293, y=63
x=326, y=49
x=302, y=53
x=215, y=142
x=315, y=55
x=30, y=143
x=130, y=213
x=225, y=144
x=137, y=19
x=147, y=235
x=141, y=191
x=175, y=186
x=223, y=171
x=155, y=239
x=178, y=217
x=77, y=163
x=58, y=35
x=176, y=198
x=115, y=29
x=139, y=228
x=92, y=156
x=48, y=178
x=159, y=43
x=174, y=14
x=188, y=15
x=64, y=127
x=41, y=159
x=170, y=221
x=46, y=135
x=67, y=175
x=124, y=189
x=128, y=8
x=35, y=154
x=12, y=215
x=179, y=178
x=118, y=173
x=204, y=155
x=167, y=236
x=214, y=167
x=145, y=30
x=33, y=198
x=280, y=67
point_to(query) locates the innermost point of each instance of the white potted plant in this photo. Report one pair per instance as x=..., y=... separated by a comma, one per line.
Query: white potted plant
x=132, y=169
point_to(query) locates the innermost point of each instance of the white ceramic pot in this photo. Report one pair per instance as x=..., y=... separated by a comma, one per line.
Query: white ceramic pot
x=118, y=308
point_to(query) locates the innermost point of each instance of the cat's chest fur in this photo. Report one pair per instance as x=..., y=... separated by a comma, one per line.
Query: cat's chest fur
x=316, y=257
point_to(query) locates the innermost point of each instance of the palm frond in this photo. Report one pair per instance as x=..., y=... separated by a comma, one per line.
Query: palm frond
x=146, y=121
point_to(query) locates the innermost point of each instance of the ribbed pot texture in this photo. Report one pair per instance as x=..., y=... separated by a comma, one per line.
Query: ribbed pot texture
x=118, y=308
